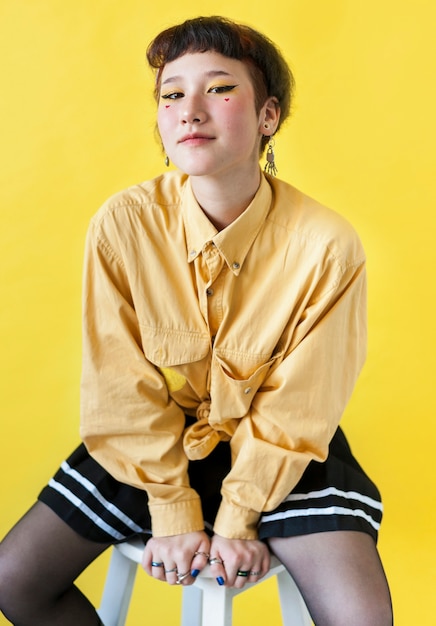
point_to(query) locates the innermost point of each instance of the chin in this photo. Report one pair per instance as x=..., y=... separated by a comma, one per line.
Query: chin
x=199, y=164
x=191, y=171
x=195, y=169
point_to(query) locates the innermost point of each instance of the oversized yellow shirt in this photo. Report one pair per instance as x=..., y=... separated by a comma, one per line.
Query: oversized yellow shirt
x=258, y=330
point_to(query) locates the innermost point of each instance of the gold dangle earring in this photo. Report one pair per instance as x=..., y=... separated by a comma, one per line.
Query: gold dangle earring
x=167, y=161
x=270, y=166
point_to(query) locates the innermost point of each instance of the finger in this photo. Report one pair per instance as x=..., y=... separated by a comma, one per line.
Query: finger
x=217, y=568
x=152, y=562
x=157, y=568
x=255, y=574
x=180, y=573
x=242, y=577
x=184, y=578
x=171, y=572
x=146, y=560
x=199, y=561
x=201, y=555
x=266, y=563
x=258, y=569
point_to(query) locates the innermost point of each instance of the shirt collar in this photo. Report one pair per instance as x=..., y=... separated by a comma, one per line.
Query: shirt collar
x=235, y=240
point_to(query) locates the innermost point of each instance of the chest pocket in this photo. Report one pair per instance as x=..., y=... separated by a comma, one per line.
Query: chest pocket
x=235, y=380
x=167, y=347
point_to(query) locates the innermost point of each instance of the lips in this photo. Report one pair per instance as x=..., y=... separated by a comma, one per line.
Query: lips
x=195, y=139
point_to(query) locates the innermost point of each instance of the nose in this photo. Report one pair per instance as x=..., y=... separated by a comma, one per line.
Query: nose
x=193, y=111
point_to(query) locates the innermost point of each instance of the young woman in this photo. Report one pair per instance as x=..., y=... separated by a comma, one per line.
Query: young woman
x=224, y=329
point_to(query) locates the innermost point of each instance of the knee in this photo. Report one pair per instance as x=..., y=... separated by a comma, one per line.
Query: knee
x=377, y=614
x=358, y=609
x=381, y=615
x=374, y=610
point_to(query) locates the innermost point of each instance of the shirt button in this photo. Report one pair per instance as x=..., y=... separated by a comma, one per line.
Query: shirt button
x=209, y=292
x=193, y=253
x=236, y=265
x=247, y=390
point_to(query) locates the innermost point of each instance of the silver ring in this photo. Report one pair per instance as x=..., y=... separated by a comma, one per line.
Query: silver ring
x=169, y=571
x=255, y=573
x=181, y=577
x=215, y=560
x=206, y=554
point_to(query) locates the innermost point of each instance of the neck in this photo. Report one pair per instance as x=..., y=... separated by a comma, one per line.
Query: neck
x=223, y=201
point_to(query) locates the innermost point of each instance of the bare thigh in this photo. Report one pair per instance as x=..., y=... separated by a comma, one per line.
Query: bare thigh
x=340, y=576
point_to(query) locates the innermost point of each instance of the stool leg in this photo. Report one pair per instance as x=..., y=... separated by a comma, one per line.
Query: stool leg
x=294, y=611
x=216, y=604
x=192, y=603
x=117, y=590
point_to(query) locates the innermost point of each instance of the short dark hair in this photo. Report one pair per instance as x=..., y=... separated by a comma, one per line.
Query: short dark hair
x=269, y=71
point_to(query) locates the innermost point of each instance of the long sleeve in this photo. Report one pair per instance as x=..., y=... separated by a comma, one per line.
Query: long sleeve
x=257, y=332
x=296, y=410
x=129, y=422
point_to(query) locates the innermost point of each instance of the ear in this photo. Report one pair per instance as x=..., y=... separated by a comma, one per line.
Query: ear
x=269, y=117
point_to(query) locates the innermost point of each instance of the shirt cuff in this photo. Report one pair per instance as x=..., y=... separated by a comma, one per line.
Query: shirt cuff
x=234, y=522
x=177, y=518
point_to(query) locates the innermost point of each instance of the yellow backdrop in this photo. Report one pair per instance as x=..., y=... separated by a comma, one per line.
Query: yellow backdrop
x=76, y=125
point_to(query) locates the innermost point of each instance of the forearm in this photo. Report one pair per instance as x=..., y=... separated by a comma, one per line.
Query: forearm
x=297, y=409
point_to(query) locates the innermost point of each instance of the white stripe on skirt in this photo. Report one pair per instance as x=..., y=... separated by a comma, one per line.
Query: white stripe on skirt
x=69, y=495
x=333, y=491
x=331, y=510
x=89, y=486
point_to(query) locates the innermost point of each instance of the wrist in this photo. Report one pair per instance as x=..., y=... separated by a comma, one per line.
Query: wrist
x=233, y=522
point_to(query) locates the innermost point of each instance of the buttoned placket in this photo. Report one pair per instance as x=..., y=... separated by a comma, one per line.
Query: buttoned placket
x=211, y=300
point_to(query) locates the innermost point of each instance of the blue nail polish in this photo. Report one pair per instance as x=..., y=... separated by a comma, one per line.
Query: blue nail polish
x=195, y=573
x=220, y=580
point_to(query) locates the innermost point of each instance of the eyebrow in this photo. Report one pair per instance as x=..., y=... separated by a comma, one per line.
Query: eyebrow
x=210, y=74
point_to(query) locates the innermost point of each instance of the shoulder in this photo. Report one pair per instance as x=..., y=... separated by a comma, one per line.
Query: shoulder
x=312, y=223
x=151, y=196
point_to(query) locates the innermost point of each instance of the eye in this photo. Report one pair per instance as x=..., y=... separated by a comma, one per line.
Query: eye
x=173, y=95
x=222, y=88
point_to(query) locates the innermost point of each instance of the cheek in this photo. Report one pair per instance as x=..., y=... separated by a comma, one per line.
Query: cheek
x=233, y=110
x=164, y=119
x=225, y=113
x=229, y=105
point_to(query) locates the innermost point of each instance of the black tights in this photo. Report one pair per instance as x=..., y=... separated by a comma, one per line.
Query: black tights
x=339, y=574
x=39, y=559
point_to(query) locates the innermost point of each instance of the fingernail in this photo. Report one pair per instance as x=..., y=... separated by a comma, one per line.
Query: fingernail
x=195, y=573
x=220, y=580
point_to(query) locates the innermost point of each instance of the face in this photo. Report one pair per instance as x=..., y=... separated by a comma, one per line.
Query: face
x=206, y=115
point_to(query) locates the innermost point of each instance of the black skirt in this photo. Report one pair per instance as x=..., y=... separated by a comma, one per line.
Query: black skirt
x=333, y=495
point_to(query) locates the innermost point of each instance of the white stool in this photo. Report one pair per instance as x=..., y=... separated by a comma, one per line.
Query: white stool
x=204, y=604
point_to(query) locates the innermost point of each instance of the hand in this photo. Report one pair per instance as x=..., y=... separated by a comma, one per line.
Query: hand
x=238, y=555
x=181, y=557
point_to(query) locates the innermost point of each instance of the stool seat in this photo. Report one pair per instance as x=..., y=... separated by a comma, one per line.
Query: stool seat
x=204, y=603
